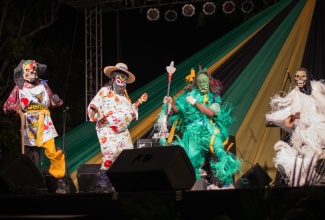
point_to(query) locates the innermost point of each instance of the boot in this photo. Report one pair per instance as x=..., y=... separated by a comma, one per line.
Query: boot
x=63, y=188
x=103, y=185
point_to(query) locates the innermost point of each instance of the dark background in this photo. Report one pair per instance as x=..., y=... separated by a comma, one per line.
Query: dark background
x=147, y=47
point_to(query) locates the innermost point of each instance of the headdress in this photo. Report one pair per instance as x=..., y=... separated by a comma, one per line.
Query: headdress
x=18, y=72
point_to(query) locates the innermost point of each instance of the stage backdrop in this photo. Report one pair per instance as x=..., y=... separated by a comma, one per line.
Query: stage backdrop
x=255, y=60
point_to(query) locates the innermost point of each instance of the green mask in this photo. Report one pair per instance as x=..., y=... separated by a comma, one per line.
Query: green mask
x=203, y=83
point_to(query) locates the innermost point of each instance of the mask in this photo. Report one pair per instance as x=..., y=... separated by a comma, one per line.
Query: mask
x=29, y=71
x=119, y=84
x=203, y=83
x=300, y=78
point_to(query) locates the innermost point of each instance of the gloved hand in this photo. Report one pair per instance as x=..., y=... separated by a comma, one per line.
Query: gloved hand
x=191, y=100
x=167, y=100
x=56, y=99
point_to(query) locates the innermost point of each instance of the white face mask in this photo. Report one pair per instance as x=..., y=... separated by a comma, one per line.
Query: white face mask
x=29, y=71
x=300, y=78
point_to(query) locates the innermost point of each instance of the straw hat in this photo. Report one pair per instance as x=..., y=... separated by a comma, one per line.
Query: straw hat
x=120, y=67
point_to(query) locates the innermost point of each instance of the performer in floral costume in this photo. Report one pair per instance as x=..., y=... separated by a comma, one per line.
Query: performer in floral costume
x=300, y=113
x=32, y=98
x=202, y=126
x=113, y=112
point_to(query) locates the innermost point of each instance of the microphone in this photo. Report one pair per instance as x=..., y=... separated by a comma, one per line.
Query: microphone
x=288, y=73
x=66, y=109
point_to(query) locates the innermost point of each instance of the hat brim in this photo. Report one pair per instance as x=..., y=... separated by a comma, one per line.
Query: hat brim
x=109, y=69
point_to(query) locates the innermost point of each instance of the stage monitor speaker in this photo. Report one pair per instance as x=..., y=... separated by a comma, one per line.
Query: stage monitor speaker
x=255, y=177
x=165, y=168
x=87, y=176
x=19, y=174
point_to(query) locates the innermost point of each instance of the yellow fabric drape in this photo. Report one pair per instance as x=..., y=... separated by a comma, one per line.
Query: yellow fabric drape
x=40, y=129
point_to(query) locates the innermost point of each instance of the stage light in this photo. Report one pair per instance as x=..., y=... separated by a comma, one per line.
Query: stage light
x=247, y=6
x=153, y=14
x=170, y=15
x=228, y=7
x=209, y=8
x=188, y=10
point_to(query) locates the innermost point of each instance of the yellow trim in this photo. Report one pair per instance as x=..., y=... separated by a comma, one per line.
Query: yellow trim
x=171, y=133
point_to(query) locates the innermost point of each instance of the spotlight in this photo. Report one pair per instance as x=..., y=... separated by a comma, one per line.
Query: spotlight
x=188, y=10
x=247, y=6
x=228, y=7
x=209, y=8
x=153, y=14
x=170, y=15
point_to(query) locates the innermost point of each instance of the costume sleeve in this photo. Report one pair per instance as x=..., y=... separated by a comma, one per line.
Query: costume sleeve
x=11, y=104
x=281, y=110
x=135, y=112
x=96, y=103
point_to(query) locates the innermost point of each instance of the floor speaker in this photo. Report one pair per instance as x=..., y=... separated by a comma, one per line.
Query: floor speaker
x=19, y=174
x=255, y=177
x=165, y=168
x=87, y=176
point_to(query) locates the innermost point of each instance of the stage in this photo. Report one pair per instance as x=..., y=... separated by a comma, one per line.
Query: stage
x=254, y=203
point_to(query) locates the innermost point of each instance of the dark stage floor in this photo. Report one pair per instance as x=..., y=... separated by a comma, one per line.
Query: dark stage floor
x=261, y=203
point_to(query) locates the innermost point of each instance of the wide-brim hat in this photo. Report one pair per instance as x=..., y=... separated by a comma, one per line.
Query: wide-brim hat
x=120, y=67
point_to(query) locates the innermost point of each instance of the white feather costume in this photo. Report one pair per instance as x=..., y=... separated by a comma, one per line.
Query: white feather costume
x=307, y=135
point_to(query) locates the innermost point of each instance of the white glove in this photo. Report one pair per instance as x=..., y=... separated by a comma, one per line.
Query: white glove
x=167, y=99
x=191, y=100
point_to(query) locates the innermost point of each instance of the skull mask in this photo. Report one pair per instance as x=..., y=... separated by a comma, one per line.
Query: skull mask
x=29, y=71
x=300, y=78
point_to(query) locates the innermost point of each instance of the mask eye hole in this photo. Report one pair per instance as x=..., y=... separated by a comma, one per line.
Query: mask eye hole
x=303, y=77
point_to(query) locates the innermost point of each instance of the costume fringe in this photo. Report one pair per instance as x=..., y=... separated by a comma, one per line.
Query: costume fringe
x=197, y=131
x=307, y=135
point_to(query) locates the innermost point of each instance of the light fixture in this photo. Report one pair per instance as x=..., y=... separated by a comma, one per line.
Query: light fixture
x=170, y=15
x=228, y=7
x=188, y=10
x=209, y=8
x=153, y=14
x=247, y=6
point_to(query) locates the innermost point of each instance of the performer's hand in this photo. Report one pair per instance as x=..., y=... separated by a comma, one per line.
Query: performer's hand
x=191, y=100
x=93, y=108
x=295, y=116
x=56, y=99
x=167, y=99
x=18, y=109
x=144, y=97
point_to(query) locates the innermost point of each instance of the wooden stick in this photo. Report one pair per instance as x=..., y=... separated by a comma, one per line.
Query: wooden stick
x=22, y=129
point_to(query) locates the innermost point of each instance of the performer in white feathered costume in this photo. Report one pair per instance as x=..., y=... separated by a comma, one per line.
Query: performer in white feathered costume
x=301, y=113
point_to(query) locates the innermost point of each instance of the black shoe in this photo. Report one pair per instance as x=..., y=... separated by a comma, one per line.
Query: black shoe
x=102, y=189
x=62, y=187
